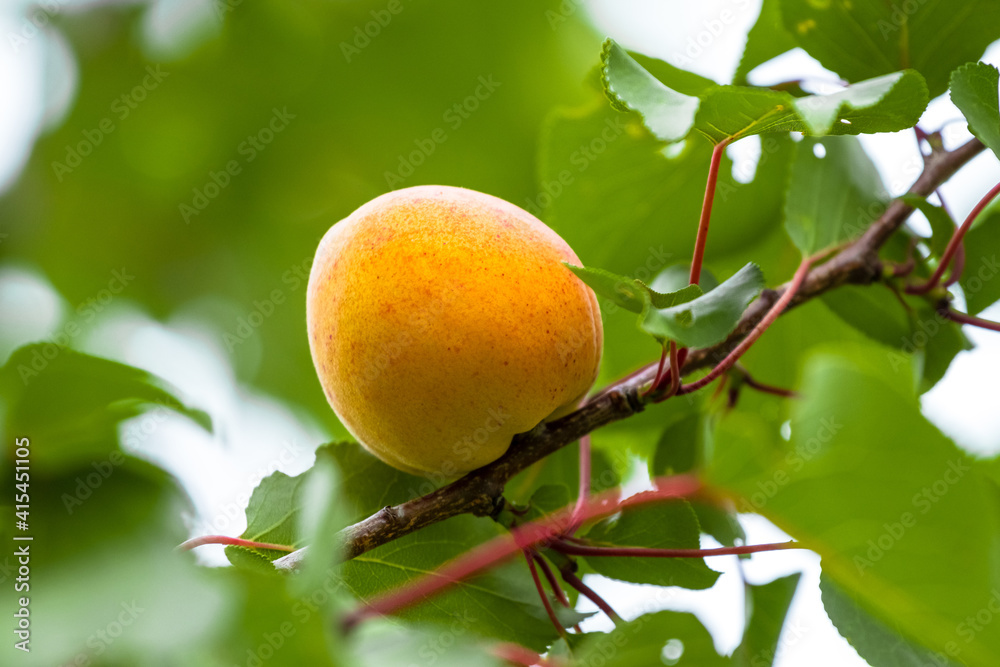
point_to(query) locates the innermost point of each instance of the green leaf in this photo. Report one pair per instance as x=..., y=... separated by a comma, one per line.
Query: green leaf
x=860, y=40
x=708, y=319
x=876, y=641
x=664, y=637
x=769, y=605
x=873, y=310
x=671, y=525
x=831, y=198
x=675, y=277
x=74, y=402
x=367, y=484
x=626, y=293
x=858, y=418
x=271, y=518
x=666, y=112
x=767, y=39
x=937, y=341
x=561, y=469
x=501, y=603
x=982, y=262
x=974, y=92
x=942, y=226
x=886, y=104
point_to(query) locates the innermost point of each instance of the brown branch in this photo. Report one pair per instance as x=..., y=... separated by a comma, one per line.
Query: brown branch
x=480, y=492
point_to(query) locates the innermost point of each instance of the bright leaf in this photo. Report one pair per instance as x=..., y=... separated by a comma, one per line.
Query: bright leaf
x=974, y=92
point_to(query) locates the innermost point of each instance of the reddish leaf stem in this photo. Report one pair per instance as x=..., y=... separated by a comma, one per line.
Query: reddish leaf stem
x=749, y=381
x=519, y=655
x=956, y=316
x=530, y=557
x=231, y=541
x=543, y=565
x=706, y=211
x=590, y=594
x=776, y=310
x=953, y=244
x=576, y=550
x=503, y=547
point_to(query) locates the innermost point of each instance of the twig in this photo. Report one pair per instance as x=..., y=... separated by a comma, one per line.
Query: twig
x=231, y=541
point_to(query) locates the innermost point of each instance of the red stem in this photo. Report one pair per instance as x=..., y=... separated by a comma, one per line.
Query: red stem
x=543, y=565
x=955, y=316
x=231, y=541
x=529, y=556
x=772, y=315
x=953, y=244
x=503, y=547
x=749, y=381
x=706, y=211
x=588, y=592
x=576, y=550
x=581, y=499
x=658, y=378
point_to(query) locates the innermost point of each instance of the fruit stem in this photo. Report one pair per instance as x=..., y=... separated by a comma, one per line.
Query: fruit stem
x=589, y=593
x=642, y=552
x=953, y=245
x=706, y=211
x=231, y=541
x=772, y=314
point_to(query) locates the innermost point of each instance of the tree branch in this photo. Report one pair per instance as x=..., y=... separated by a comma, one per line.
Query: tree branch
x=481, y=492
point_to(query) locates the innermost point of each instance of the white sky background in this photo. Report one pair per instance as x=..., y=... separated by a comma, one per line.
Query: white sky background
x=256, y=434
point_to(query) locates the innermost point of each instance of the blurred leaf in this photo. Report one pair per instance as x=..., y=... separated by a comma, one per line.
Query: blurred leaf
x=74, y=402
x=860, y=40
x=722, y=525
x=321, y=518
x=769, y=605
x=663, y=637
x=501, y=603
x=671, y=525
x=767, y=39
x=383, y=642
x=367, y=484
x=873, y=310
x=680, y=448
x=938, y=339
x=858, y=418
x=832, y=198
x=874, y=640
x=974, y=92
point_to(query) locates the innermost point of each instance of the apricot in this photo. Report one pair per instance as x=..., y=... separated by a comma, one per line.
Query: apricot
x=442, y=322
